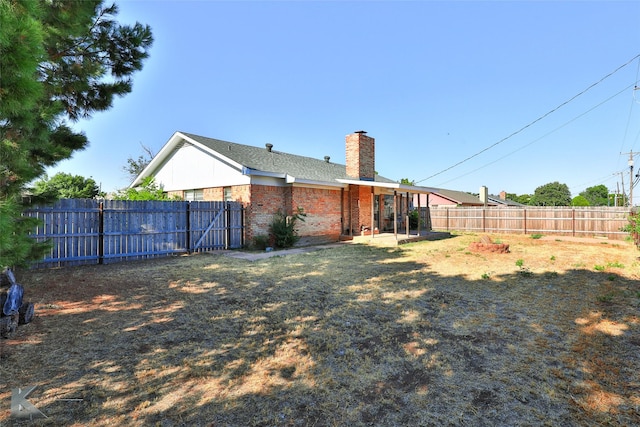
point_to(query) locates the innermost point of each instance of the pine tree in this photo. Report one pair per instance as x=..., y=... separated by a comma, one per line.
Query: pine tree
x=60, y=60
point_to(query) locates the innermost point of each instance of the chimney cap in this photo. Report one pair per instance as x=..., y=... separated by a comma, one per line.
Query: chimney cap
x=269, y=146
x=361, y=131
x=327, y=158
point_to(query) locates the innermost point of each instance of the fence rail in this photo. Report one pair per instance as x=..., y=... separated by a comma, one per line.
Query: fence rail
x=569, y=221
x=87, y=231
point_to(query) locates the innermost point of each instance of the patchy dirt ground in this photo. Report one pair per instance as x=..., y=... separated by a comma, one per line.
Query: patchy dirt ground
x=426, y=334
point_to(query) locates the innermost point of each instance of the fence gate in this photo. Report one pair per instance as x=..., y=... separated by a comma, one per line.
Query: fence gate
x=215, y=225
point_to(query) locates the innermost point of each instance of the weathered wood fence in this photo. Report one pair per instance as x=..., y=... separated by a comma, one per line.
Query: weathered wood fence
x=568, y=221
x=87, y=231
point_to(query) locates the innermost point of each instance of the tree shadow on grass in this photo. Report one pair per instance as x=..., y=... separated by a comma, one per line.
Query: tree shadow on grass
x=356, y=335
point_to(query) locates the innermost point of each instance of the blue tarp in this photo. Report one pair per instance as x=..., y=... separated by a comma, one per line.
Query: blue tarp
x=14, y=300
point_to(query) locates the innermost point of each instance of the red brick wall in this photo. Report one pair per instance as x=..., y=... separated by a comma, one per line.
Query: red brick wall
x=213, y=194
x=365, y=207
x=323, y=216
x=265, y=201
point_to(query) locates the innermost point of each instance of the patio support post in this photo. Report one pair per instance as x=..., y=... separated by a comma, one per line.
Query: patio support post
x=395, y=214
x=350, y=218
x=419, y=214
x=373, y=228
x=342, y=211
x=407, y=215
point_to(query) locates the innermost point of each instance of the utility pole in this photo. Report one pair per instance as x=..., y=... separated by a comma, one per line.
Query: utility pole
x=631, y=178
x=630, y=163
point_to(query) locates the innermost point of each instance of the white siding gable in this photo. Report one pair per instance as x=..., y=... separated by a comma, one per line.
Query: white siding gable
x=190, y=167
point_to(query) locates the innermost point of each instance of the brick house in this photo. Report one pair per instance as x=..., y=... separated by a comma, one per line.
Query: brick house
x=339, y=200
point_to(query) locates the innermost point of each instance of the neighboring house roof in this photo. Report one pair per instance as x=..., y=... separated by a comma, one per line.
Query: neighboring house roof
x=260, y=161
x=458, y=197
x=503, y=202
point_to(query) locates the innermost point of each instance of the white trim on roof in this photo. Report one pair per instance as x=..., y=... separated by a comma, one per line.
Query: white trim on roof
x=293, y=180
x=390, y=185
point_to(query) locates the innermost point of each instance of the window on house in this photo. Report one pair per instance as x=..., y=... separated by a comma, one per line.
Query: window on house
x=227, y=194
x=194, y=195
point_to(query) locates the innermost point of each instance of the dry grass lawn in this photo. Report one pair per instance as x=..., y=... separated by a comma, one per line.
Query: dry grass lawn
x=426, y=334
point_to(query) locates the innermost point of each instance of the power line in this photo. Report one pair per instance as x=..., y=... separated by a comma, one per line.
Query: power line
x=633, y=101
x=533, y=122
x=543, y=136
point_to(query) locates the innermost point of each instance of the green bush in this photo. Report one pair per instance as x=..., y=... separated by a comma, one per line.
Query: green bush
x=633, y=228
x=260, y=242
x=283, y=228
x=414, y=218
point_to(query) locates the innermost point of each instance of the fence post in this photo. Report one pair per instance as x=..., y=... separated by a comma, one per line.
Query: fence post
x=227, y=225
x=484, y=220
x=525, y=221
x=101, y=233
x=573, y=222
x=243, y=230
x=447, y=218
x=188, y=227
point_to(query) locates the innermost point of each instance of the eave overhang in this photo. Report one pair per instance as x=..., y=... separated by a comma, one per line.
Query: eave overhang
x=390, y=186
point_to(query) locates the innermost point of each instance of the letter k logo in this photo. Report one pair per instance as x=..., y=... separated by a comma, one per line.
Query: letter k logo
x=21, y=407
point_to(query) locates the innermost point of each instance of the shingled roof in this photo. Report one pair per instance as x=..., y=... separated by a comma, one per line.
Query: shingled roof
x=460, y=197
x=263, y=160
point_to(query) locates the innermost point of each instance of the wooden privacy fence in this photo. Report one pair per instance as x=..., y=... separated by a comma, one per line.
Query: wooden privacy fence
x=568, y=221
x=87, y=231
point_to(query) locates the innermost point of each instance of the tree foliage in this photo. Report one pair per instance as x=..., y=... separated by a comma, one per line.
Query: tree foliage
x=552, y=194
x=65, y=186
x=16, y=247
x=61, y=60
x=135, y=166
x=597, y=195
x=148, y=190
x=580, y=201
x=524, y=199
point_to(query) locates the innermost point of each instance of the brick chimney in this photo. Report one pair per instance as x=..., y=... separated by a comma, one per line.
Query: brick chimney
x=503, y=195
x=361, y=156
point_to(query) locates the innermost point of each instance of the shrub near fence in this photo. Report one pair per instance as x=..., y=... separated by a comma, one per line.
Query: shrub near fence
x=87, y=231
x=568, y=221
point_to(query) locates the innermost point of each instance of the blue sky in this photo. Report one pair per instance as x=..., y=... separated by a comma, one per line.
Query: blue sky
x=433, y=82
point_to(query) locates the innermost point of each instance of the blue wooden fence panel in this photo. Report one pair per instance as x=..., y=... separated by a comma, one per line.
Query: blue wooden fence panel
x=143, y=229
x=72, y=227
x=87, y=231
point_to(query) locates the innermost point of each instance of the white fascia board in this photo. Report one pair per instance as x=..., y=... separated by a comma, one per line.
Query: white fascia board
x=389, y=185
x=309, y=182
x=254, y=172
